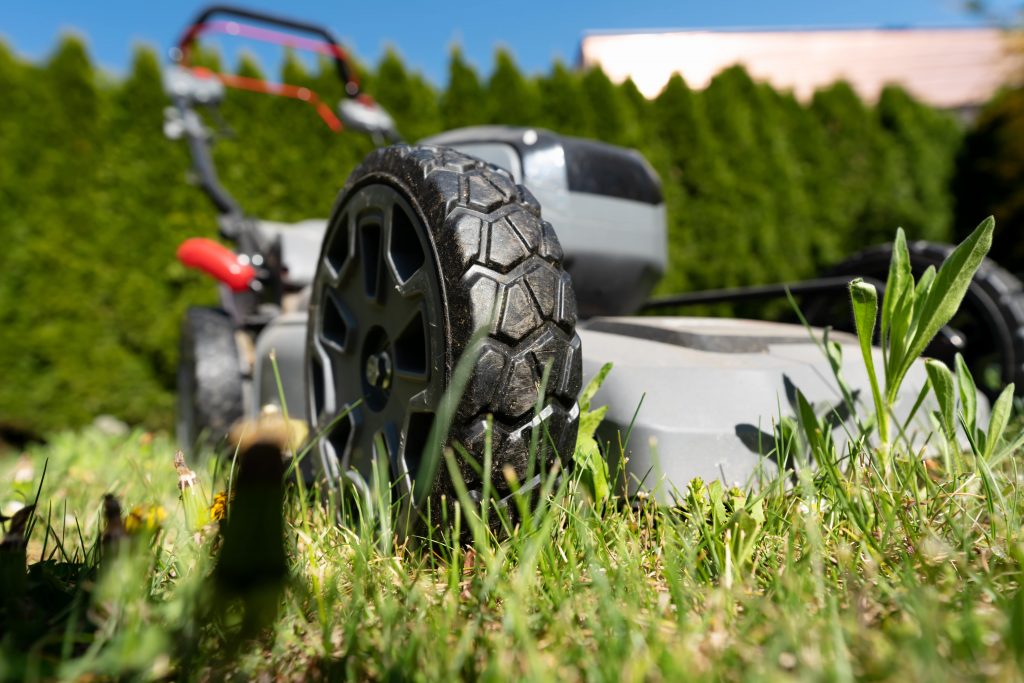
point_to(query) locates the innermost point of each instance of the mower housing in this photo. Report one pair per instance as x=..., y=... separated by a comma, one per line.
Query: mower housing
x=605, y=202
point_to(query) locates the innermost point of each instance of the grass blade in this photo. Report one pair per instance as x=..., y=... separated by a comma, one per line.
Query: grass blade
x=864, y=298
x=941, y=380
x=968, y=395
x=1000, y=418
x=946, y=292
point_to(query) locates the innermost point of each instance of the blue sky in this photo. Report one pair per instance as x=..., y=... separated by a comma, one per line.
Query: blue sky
x=537, y=31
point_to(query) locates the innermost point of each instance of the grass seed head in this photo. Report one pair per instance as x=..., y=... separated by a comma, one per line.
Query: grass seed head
x=186, y=477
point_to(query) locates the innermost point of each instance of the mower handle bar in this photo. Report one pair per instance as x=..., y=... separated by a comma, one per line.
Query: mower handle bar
x=333, y=49
x=356, y=110
x=190, y=125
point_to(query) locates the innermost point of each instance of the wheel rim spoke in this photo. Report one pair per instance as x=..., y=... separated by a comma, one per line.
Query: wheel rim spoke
x=370, y=257
x=412, y=346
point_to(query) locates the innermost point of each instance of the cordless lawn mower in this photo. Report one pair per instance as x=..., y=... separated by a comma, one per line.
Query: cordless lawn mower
x=443, y=245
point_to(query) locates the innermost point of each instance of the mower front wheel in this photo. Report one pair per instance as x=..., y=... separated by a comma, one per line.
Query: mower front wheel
x=426, y=248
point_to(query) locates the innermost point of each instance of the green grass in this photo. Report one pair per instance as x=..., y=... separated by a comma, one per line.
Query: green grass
x=910, y=573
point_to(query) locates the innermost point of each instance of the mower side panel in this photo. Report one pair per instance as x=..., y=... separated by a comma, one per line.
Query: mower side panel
x=286, y=338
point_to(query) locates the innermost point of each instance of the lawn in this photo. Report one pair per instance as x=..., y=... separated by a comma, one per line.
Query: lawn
x=911, y=571
x=895, y=557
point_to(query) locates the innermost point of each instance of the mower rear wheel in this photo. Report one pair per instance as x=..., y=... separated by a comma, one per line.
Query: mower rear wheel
x=425, y=247
x=209, y=379
x=988, y=329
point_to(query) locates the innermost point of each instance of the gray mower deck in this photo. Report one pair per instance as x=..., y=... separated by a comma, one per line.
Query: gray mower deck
x=707, y=393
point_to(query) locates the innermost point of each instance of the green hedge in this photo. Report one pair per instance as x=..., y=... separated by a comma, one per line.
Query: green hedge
x=990, y=175
x=93, y=200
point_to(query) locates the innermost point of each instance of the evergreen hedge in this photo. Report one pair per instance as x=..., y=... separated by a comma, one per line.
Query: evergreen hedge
x=990, y=175
x=93, y=199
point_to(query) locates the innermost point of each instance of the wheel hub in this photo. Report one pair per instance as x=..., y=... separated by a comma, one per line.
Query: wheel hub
x=378, y=370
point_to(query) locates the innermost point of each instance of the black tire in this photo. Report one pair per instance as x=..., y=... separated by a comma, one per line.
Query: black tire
x=453, y=239
x=989, y=325
x=210, y=394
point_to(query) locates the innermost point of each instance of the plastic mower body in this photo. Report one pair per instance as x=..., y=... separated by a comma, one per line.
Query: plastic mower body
x=522, y=253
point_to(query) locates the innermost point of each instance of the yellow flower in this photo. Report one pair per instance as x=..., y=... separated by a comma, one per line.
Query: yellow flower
x=219, y=509
x=145, y=518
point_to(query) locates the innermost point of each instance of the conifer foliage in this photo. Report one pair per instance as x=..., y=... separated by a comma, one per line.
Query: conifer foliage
x=990, y=175
x=93, y=199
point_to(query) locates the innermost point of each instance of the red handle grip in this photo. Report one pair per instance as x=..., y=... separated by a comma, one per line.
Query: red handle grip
x=217, y=260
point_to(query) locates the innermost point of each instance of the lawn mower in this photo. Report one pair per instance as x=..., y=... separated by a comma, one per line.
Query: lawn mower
x=536, y=252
